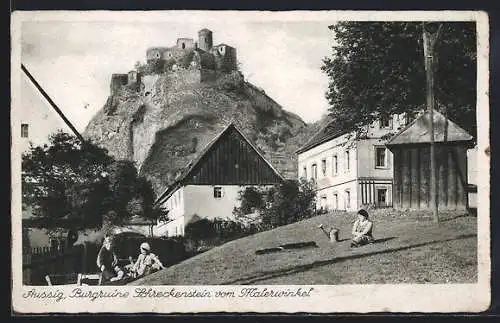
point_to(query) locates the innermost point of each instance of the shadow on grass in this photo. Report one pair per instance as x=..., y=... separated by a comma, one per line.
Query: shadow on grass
x=376, y=240
x=297, y=269
x=289, y=246
x=383, y=240
x=451, y=218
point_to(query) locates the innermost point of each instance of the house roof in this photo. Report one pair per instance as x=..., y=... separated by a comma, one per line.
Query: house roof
x=418, y=131
x=193, y=163
x=330, y=131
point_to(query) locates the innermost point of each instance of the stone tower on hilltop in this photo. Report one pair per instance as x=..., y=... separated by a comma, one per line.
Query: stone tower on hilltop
x=205, y=41
x=186, y=55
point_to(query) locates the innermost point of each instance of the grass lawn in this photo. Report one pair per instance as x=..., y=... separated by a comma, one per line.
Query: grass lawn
x=411, y=249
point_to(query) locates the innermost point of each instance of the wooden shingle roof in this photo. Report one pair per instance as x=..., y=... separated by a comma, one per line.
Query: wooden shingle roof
x=418, y=131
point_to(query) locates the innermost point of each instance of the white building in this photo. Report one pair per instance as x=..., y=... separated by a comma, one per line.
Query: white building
x=350, y=172
x=34, y=119
x=208, y=187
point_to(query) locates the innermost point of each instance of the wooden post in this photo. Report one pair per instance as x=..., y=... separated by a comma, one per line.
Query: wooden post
x=430, y=36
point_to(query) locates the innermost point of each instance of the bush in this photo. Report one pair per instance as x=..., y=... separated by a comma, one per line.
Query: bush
x=251, y=199
x=288, y=202
x=205, y=234
x=203, y=229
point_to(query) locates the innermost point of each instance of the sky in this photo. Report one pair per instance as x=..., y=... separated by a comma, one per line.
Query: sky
x=73, y=59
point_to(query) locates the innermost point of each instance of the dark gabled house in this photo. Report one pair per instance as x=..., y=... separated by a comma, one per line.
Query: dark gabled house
x=208, y=186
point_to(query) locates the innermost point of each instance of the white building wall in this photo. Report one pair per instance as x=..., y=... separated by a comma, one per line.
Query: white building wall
x=193, y=202
x=176, y=210
x=472, y=166
x=335, y=185
x=41, y=118
x=335, y=172
x=367, y=158
x=343, y=196
x=200, y=201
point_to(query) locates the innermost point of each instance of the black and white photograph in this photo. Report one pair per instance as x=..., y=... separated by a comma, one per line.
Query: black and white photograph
x=204, y=161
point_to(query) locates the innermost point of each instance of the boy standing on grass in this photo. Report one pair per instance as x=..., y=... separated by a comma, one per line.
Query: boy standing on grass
x=362, y=230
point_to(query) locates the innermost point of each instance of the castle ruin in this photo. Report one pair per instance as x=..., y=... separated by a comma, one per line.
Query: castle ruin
x=187, y=54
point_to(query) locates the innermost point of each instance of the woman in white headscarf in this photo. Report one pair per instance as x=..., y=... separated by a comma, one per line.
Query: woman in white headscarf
x=146, y=262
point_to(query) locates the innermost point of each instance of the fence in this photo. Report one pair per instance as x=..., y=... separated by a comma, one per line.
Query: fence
x=42, y=261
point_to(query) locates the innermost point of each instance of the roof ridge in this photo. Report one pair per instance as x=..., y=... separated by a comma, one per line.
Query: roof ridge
x=203, y=152
x=439, y=120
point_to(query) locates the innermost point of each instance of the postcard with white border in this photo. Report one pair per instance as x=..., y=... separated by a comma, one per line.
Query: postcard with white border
x=230, y=161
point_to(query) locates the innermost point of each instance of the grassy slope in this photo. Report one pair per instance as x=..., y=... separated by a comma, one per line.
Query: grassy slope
x=414, y=251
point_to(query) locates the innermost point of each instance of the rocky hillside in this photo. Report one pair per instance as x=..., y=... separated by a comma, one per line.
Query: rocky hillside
x=163, y=122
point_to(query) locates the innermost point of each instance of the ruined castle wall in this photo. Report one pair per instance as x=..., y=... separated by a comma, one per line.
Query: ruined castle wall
x=148, y=83
x=181, y=78
x=117, y=81
x=185, y=43
x=230, y=61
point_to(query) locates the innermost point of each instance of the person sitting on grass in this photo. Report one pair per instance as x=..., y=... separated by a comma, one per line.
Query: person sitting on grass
x=107, y=261
x=362, y=230
x=147, y=262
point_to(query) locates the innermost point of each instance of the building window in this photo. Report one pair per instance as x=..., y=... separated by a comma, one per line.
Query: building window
x=335, y=201
x=335, y=165
x=380, y=157
x=323, y=166
x=347, y=199
x=323, y=203
x=24, y=130
x=382, y=197
x=304, y=172
x=407, y=118
x=217, y=192
x=314, y=171
x=385, y=122
x=347, y=161
x=183, y=46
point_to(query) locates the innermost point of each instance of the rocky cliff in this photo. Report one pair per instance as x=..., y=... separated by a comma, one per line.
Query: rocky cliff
x=167, y=119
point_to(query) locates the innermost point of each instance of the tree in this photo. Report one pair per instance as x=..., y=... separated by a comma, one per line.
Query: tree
x=202, y=229
x=61, y=179
x=377, y=69
x=281, y=204
x=289, y=202
x=251, y=199
x=68, y=179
